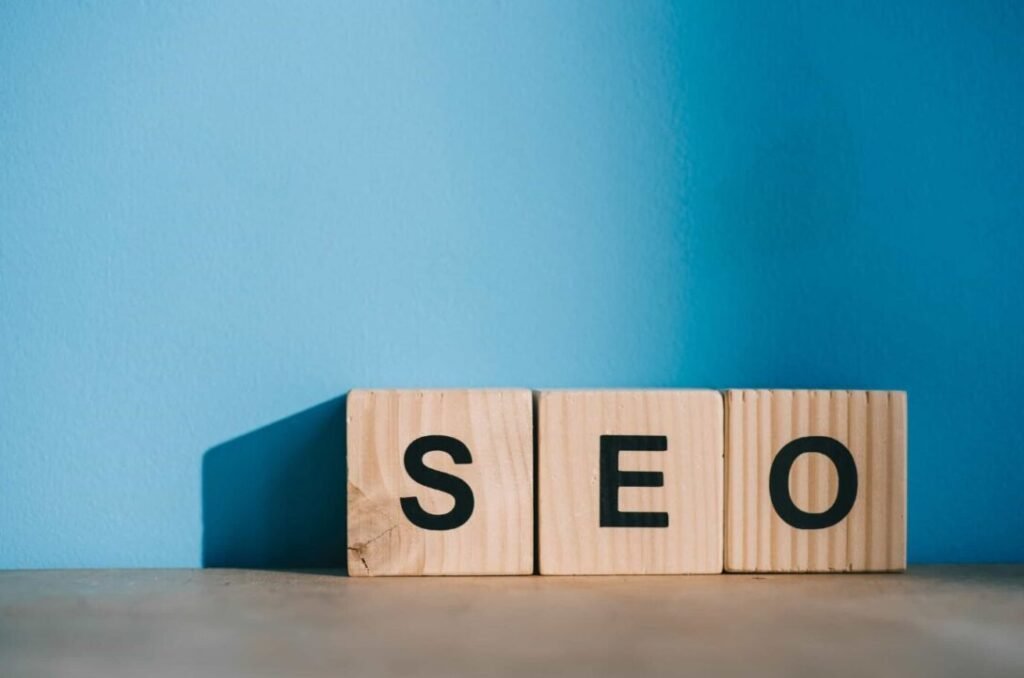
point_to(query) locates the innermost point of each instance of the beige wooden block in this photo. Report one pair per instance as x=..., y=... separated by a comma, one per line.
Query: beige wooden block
x=683, y=433
x=826, y=527
x=405, y=518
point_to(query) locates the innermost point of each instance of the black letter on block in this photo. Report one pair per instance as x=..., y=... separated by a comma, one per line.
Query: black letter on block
x=778, y=482
x=612, y=479
x=438, y=480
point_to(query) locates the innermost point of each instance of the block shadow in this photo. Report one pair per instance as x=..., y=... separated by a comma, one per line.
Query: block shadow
x=275, y=498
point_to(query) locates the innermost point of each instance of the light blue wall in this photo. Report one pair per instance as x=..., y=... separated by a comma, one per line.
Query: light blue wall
x=214, y=216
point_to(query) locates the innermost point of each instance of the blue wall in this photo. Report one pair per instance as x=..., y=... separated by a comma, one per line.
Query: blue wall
x=215, y=218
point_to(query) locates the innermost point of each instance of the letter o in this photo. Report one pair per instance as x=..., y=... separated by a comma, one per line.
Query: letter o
x=778, y=482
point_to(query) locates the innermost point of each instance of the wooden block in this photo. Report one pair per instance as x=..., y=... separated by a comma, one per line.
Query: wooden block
x=630, y=482
x=440, y=482
x=787, y=511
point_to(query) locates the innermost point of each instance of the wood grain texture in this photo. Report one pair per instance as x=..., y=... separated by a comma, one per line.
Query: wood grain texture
x=571, y=539
x=872, y=425
x=951, y=621
x=496, y=426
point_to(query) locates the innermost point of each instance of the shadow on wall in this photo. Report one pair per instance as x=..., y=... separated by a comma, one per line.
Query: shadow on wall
x=275, y=498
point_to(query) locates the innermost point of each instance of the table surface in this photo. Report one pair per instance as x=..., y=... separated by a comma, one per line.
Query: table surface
x=945, y=620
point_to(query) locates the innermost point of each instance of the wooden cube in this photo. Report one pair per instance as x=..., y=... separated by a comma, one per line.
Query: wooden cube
x=630, y=482
x=440, y=482
x=816, y=481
